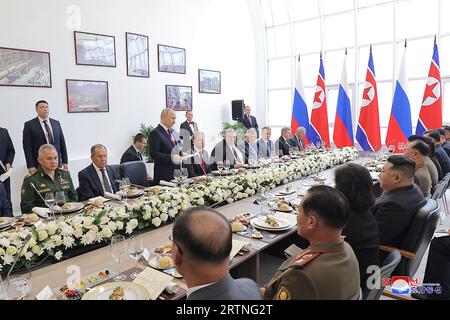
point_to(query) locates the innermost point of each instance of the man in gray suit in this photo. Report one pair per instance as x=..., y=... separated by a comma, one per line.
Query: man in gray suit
x=201, y=249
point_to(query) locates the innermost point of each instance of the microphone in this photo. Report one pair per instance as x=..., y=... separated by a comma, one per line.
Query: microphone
x=26, y=240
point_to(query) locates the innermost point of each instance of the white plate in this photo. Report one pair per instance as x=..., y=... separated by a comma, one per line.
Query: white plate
x=285, y=193
x=133, y=194
x=153, y=262
x=261, y=222
x=275, y=207
x=6, y=221
x=271, y=229
x=133, y=291
x=74, y=206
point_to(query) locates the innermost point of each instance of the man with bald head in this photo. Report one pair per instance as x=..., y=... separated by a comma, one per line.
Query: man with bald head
x=201, y=247
x=98, y=178
x=163, y=144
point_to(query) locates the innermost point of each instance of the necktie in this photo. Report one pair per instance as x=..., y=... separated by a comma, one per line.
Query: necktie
x=49, y=132
x=250, y=120
x=236, y=156
x=268, y=149
x=139, y=155
x=105, y=181
x=171, y=137
x=203, y=164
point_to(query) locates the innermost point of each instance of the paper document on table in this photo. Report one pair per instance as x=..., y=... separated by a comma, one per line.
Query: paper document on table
x=6, y=175
x=237, y=245
x=154, y=281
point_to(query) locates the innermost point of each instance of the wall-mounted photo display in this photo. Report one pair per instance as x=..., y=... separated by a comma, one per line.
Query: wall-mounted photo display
x=87, y=96
x=25, y=68
x=209, y=81
x=137, y=55
x=179, y=98
x=93, y=49
x=171, y=59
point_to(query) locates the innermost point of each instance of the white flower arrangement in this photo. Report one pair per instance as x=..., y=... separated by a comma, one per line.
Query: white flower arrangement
x=100, y=224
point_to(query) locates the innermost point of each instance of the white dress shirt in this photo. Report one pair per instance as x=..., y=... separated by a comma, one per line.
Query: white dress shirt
x=41, y=121
x=100, y=176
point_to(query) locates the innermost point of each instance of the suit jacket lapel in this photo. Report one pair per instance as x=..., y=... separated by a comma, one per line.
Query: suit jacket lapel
x=37, y=123
x=189, y=128
x=164, y=136
x=111, y=178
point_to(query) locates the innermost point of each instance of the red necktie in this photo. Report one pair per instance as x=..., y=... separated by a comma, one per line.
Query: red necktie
x=171, y=137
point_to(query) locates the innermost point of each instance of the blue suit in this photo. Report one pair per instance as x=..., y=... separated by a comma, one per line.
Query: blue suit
x=34, y=137
x=7, y=153
x=90, y=185
x=5, y=204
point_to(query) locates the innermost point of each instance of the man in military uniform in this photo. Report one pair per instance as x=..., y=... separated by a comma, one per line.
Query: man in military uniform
x=47, y=178
x=328, y=269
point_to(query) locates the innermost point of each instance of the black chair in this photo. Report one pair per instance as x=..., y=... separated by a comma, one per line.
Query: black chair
x=417, y=239
x=136, y=172
x=388, y=266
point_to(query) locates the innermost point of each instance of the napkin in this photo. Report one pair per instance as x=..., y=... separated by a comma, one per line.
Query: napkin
x=172, y=288
x=168, y=184
x=112, y=196
x=154, y=281
x=98, y=200
x=6, y=175
x=42, y=212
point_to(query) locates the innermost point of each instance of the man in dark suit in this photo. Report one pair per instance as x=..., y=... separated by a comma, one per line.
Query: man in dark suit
x=265, y=145
x=199, y=164
x=187, y=130
x=97, y=178
x=444, y=143
x=5, y=203
x=249, y=146
x=441, y=155
x=134, y=152
x=43, y=130
x=7, y=153
x=297, y=140
x=227, y=151
x=281, y=145
x=202, y=242
x=395, y=209
x=248, y=120
x=163, y=144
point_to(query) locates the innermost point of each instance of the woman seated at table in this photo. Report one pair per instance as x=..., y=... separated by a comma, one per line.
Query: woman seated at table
x=199, y=164
x=361, y=232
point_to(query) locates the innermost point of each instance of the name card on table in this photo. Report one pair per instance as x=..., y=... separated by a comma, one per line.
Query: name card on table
x=154, y=281
x=237, y=246
x=45, y=294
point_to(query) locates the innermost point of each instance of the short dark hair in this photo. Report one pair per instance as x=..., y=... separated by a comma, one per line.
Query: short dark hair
x=441, y=131
x=446, y=128
x=40, y=101
x=329, y=203
x=420, y=146
x=435, y=135
x=405, y=165
x=139, y=137
x=427, y=140
x=200, y=247
x=355, y=182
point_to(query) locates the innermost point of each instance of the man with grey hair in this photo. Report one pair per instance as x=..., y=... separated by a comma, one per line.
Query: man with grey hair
x=98, y=178
x=282, y=145
x=226, y=151
x=249, y=147
x=47, y=178
x=297, y=140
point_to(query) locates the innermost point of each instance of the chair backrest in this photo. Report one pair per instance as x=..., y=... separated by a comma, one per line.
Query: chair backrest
x=419, y=237
x=388, y=266
x=135, y=171
x=439, y=189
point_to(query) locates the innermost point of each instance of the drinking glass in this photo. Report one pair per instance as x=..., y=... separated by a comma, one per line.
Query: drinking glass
x=118, y=251
x=60, y=198
x=261, y=198
x=177, y=174
x=184, y=174
x=50, y=201
x=135, y=249
x=220, y=166
x=124, y=185
x=226, y=165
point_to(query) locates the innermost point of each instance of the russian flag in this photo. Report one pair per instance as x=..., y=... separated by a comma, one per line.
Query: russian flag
x=343, y=128
x=318, y=128
x=400, y=128
x=299, y=109
x=368, y=133
x=430, y=116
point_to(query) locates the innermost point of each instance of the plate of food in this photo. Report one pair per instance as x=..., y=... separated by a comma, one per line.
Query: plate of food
x=131, y=193
x=243, y=218
x=72, y=292
x=281, y=205
x=70, y=207
x=182, y=180
x=286, y=192
x=165, y=250
x=118, y=291
x=30, y=219
x=224, y=172
x=161, y=262
x=6, y=221
x=238, y=226
x=270, y=223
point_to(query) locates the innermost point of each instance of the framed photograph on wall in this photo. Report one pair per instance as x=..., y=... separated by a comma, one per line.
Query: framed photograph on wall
x=171, y=59
x=209, y=81
x=137, y=55
x=179, y=98
x=93, y=49
x=87, y=96
x=25, y=68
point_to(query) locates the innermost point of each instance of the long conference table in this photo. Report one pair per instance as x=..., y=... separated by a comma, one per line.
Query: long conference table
x=245, y=265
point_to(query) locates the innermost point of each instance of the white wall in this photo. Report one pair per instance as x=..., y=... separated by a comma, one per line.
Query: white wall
x=216, y=34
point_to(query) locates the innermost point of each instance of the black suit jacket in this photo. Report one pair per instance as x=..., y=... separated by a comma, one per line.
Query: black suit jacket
x=5, y=204
x=247, y=124
x=394, y=212
x=34, y=137
x=443, y=159
x=297, y=143
x=438, y=167
x=282, y=145
x=161, y=150
x=446, y=146
x=222, y=153
x=7, y=151
x=90, y=185
x=130, y=155
x=186, y=134
x=194, y=164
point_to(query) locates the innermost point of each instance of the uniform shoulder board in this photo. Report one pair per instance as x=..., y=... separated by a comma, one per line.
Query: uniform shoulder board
x=283, y=294
x=305, y=259
x=30, y=174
